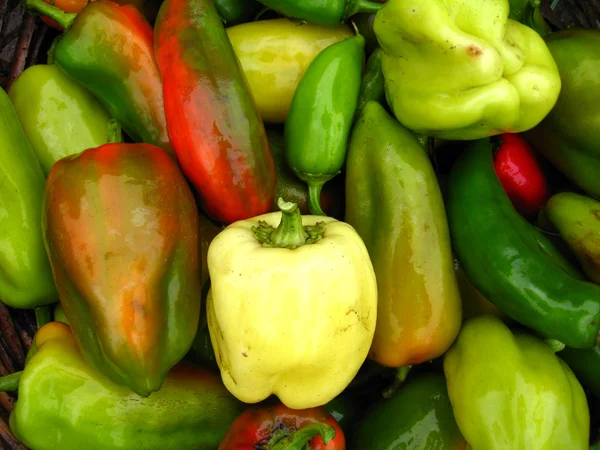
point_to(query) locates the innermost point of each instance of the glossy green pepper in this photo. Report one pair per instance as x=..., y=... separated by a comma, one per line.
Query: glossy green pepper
x=328, y=13
x=586, y=365
x=511, y=262
x=418, y=417
x=59, y=116
x=234, y=12
x=394, y=203
x=510, y=391
x=320, y=118
x=345, y=409
x=25, y=274
x=65, y=405
x=568, y=136
x=462, y=69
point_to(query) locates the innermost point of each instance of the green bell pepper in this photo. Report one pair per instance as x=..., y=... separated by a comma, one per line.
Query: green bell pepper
x=59, y=116
x=568, y=136
x=511, y=262
x=418, y=417
x=318, y=124
x=510, y=391
x=463, y=70
x=65, y=405
x=25, y=274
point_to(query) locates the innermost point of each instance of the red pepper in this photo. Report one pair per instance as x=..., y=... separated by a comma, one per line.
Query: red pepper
x=278, y=427
x=520, y=174
x=213, y=122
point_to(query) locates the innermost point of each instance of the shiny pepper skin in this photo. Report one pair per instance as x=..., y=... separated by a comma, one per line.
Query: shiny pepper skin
x=121, y=229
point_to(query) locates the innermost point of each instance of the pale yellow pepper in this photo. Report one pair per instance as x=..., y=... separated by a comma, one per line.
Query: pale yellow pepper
x=292, y=308
x=274, y=55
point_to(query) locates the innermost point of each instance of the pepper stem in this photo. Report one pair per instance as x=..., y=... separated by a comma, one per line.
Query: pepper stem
x=64, y=19
x=361, y=6
x=10, y=382
x=115, y=133
x=399, y=379
x=290, y=233
x=314, y=197
x=298, y=440
x=43, y=315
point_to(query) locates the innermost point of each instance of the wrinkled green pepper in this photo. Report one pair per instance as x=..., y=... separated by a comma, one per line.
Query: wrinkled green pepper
x=511, y=262
x=568, y=136
x=59, y=116
x=318, y=124
x=510, y=391
x=121, y=230
x=463, y=70
x=65, y=405
x=418, y=417
x=25, y=273
x=586, y=365
x=328, y=13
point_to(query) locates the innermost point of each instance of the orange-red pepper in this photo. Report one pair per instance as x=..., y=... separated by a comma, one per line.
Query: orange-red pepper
x=213, y=122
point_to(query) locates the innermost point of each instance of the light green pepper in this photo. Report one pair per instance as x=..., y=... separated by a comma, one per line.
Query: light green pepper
x=510, y=391
x=462, y=69
x=59, y=116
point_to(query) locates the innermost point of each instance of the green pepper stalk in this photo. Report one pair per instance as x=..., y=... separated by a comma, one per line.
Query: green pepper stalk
x=290, y=233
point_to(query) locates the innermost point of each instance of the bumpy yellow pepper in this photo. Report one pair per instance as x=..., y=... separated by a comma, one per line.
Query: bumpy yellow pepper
x=463, y=69
x=292, y=308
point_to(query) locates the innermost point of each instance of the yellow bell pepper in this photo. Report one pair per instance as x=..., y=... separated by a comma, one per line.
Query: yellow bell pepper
x=292, y=307
x=274, y=55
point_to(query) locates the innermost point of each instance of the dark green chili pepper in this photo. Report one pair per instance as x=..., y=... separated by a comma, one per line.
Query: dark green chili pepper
x=510, y=262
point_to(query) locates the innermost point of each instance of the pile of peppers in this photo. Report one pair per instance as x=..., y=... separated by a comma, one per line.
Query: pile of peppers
x=294, y=225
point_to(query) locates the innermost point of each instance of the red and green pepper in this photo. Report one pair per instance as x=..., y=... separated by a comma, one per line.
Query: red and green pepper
x=216, y=130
